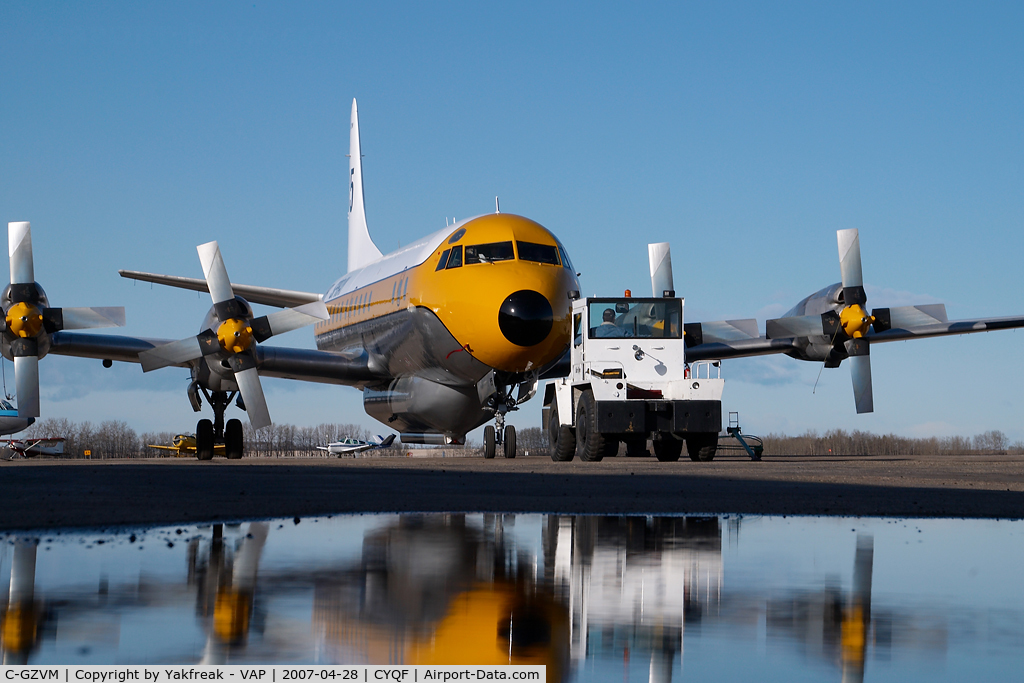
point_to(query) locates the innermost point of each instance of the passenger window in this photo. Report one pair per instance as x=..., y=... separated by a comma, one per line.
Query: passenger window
x=444, y=260
x=489, y=253
x=539, y=253
x=455, y=259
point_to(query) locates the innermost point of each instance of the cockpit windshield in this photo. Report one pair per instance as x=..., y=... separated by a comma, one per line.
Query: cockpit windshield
x=636, y=318
x=538, y=253
x=4, y=405
x=489, y=253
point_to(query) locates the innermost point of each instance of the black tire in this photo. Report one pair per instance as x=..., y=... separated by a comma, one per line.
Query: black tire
x=636, y=448
x=591, y=445
x=488, y=442
x=702, y=447
x=562, y=438
x=509, y=442
x=234, y=444
x=204, y=440
x=667, y=449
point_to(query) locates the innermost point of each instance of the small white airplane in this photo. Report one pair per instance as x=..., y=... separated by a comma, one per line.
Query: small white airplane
x=353, y=446
x=30, y=448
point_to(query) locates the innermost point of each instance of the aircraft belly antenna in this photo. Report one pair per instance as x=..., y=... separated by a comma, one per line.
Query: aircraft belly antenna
x=361, y=249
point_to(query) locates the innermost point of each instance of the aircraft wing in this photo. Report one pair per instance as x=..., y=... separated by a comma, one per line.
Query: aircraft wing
x=722, y=339
x=353, y=369
x=907, y=323
x=268, y=296
x=170, y=448
x=945, y=328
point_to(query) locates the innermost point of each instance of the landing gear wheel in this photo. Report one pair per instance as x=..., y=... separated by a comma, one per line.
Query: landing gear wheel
x=562, y=438
x=233, y=442
x=509, y=442
x=591, y=445
x=204, y=440
x=488, y=442
x=668, y=449
x=702, y=447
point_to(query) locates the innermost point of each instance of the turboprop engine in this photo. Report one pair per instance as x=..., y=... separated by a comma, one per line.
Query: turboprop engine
x=832, y=324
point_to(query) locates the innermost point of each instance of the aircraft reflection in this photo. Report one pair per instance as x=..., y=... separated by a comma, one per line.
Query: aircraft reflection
x=568, y=592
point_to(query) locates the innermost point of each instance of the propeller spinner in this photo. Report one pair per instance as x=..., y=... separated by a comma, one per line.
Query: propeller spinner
x=29, y=321
x=236, y=335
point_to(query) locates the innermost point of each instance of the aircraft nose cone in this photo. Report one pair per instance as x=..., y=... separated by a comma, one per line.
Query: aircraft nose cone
x=525, y=318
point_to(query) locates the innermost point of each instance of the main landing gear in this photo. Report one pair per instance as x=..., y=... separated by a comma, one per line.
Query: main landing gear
x=504, y=436
x=210, y=434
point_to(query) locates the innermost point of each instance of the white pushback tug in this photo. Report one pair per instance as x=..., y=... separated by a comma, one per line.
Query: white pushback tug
x=629, y=380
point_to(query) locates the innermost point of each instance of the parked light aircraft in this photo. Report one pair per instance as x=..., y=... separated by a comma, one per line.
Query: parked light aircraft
x=184, y=444
x=441, y=336
x=352, y=446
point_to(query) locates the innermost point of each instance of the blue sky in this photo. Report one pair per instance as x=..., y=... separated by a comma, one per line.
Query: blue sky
x=744, y=134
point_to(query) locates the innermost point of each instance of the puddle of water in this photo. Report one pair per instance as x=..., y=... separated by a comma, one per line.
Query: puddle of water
x=594, y=598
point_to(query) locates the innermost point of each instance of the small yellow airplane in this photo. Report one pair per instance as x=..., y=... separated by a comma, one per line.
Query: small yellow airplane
x=185, y=444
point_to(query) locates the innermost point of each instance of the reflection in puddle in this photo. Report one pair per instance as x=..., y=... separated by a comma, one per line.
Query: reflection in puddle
x=592, y=598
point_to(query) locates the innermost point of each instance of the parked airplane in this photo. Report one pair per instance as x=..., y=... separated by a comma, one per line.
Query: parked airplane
x=185, y=444
x=441, y=336
x=30, y=448
x=353, y=446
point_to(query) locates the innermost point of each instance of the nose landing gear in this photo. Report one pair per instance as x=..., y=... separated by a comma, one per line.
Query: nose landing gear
x=500, y=435
x=211, y=434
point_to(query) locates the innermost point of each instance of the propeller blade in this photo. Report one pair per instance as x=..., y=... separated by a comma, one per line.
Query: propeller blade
x=19, y=239
x=860, y=370
x=288, y=319
x=87, y=318
x=248, y=381
x=26, y=377
x=660, y=258
x=849, y=266
x=175, y=353
x=215, y=272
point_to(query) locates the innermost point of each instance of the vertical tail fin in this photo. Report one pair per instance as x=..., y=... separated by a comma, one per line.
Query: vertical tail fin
x=361, y=249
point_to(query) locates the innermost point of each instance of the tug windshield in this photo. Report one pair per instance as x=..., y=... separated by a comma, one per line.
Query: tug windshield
x=635, y=318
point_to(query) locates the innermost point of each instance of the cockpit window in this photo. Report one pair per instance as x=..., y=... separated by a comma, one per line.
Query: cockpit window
x=565, y=258
x=443, y=260
x=489, y=253
x=455, y=259
x=540, y=253
x=637, y=318
x=4, y=405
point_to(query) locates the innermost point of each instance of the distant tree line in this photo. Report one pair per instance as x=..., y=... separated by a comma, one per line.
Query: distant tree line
x=115, y=439
x=841, y=442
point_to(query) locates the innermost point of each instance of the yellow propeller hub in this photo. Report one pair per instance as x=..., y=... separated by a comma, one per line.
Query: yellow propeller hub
x=24, y=320
x=234, y=335
x=855, y=321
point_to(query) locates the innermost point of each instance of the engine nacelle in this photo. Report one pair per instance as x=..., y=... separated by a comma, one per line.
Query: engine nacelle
x=414, y=404
x=213, y=371
x=819, y=348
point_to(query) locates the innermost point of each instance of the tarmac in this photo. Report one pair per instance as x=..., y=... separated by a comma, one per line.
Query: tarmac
x=49, y=493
